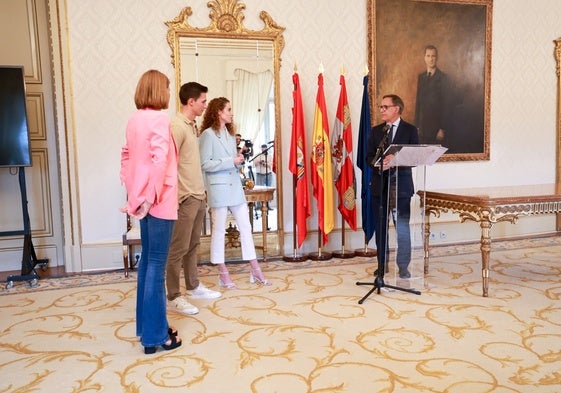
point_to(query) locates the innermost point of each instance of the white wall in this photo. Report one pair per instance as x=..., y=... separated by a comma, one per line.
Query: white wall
x=111, y=44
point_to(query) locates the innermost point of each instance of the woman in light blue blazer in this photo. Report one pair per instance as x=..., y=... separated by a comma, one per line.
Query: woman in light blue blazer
x=220, y=164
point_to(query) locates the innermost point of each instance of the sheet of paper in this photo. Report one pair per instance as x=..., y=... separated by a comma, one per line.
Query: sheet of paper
x=413, y=155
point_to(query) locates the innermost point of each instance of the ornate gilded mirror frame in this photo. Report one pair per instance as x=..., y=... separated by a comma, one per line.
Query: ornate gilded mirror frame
x=226, y=22
x=557, y=54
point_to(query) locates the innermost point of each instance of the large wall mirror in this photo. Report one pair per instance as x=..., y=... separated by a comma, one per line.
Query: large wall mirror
x=242, y=65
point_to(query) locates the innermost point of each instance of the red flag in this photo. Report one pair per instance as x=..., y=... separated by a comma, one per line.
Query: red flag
x=322, y=175
x=297, y=162
x=343, y=171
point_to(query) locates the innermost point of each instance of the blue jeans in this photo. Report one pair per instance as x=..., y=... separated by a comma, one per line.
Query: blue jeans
x=151, y=320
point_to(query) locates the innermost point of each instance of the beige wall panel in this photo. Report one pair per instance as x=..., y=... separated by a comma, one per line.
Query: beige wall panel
x=39, y=194
x=24, y=50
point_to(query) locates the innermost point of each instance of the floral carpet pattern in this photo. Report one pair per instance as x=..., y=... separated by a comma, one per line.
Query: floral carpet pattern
x=304, y=334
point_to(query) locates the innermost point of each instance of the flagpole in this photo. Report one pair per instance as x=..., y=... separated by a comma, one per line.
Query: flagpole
x=295, y=257
x=321, y=172
x=345, y=184
x=365, y=251
x=364, y=130
x=297, y=165
x=320, y=255
x=343, y=253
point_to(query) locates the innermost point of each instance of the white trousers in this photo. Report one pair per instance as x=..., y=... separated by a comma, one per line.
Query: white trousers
x=217, y=241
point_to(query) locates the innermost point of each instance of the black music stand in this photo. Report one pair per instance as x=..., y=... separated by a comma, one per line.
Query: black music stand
x=404, y=156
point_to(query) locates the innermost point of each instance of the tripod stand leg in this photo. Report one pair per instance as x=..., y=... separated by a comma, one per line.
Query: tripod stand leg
x=379, y=283
x=374, y=287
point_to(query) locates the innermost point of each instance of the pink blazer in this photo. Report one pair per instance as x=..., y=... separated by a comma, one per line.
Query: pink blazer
x=149, y=164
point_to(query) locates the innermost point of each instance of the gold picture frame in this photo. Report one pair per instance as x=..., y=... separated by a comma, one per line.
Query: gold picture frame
x=399, y=32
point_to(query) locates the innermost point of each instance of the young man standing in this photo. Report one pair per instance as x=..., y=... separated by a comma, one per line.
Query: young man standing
x=192, y=204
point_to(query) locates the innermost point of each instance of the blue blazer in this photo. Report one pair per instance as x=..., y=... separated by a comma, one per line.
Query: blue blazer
x=222, y=177
x=406, y=134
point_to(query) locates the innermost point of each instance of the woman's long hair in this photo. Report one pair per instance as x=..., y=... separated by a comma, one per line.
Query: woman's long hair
x=211, y=118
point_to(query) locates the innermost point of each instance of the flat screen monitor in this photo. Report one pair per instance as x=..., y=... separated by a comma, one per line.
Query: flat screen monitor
x=14, y=131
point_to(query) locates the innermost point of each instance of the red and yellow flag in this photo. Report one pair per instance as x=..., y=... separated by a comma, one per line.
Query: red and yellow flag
x=322, y=175
x=297, y=162
x=343, y=168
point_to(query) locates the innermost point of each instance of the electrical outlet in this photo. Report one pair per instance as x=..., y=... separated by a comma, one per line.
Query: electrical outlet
x=432, y=236
x=442, y=234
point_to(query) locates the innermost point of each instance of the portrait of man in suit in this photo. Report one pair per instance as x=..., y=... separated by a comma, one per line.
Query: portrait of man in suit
x=433, y=101
x=440, y=70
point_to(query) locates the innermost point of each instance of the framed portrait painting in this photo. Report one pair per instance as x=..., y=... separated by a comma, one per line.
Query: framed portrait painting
x=435, y=55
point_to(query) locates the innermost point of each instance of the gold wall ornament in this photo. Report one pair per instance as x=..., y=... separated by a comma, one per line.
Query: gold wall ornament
x=226, y=21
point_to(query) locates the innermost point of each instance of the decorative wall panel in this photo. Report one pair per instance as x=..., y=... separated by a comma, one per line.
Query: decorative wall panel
x=25, y=49
x=36, y=116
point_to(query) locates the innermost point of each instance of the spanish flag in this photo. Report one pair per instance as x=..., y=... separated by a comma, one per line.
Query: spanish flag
x=297, y=163
x=322, y=174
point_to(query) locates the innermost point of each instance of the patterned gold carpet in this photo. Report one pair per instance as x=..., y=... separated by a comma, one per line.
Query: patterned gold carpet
x=305, y=334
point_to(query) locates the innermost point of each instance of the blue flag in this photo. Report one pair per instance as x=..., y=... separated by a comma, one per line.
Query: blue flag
x=368, y=224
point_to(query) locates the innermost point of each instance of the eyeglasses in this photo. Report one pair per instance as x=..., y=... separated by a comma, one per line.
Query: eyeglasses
x=385, y=107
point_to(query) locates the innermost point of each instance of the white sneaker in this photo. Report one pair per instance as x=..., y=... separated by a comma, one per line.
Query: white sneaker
x=202, y=292
x=182, y=306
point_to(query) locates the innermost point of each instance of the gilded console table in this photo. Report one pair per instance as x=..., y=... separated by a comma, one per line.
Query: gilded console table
x=260, y=194
x=488, y=206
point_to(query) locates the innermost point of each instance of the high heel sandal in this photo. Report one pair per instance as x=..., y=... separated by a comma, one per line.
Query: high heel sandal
x=224, y=284
x=171, y=332
x=174, y=343
x=256, y=276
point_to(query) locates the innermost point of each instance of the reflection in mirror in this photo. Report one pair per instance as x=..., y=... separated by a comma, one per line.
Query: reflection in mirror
x=242, y=71
x=243, y=66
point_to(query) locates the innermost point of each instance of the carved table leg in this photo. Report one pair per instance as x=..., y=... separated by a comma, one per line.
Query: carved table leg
x=264, y=229
x=485, y=254
x=426, y=238
x=251, y=207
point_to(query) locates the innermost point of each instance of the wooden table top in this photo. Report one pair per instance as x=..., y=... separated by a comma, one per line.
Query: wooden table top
x=259, y=194
x=499, y=195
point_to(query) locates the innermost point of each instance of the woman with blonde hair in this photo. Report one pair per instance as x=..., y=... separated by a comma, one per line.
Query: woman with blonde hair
x=220, y=162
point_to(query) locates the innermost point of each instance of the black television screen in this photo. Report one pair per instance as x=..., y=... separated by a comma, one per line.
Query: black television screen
x=14, y=132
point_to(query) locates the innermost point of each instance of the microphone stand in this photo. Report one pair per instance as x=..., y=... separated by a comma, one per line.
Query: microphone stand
x=379, y=283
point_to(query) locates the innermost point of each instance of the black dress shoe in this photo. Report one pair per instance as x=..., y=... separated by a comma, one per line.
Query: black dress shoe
x=404, y=273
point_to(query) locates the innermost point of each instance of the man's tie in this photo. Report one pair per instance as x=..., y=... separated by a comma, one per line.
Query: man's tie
x=390, y=135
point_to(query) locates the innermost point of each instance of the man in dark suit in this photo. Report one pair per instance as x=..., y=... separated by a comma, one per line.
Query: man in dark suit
x=433, y=101
x=392, y=187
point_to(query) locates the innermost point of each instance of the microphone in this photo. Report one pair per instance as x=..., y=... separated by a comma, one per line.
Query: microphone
x=270, y=142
